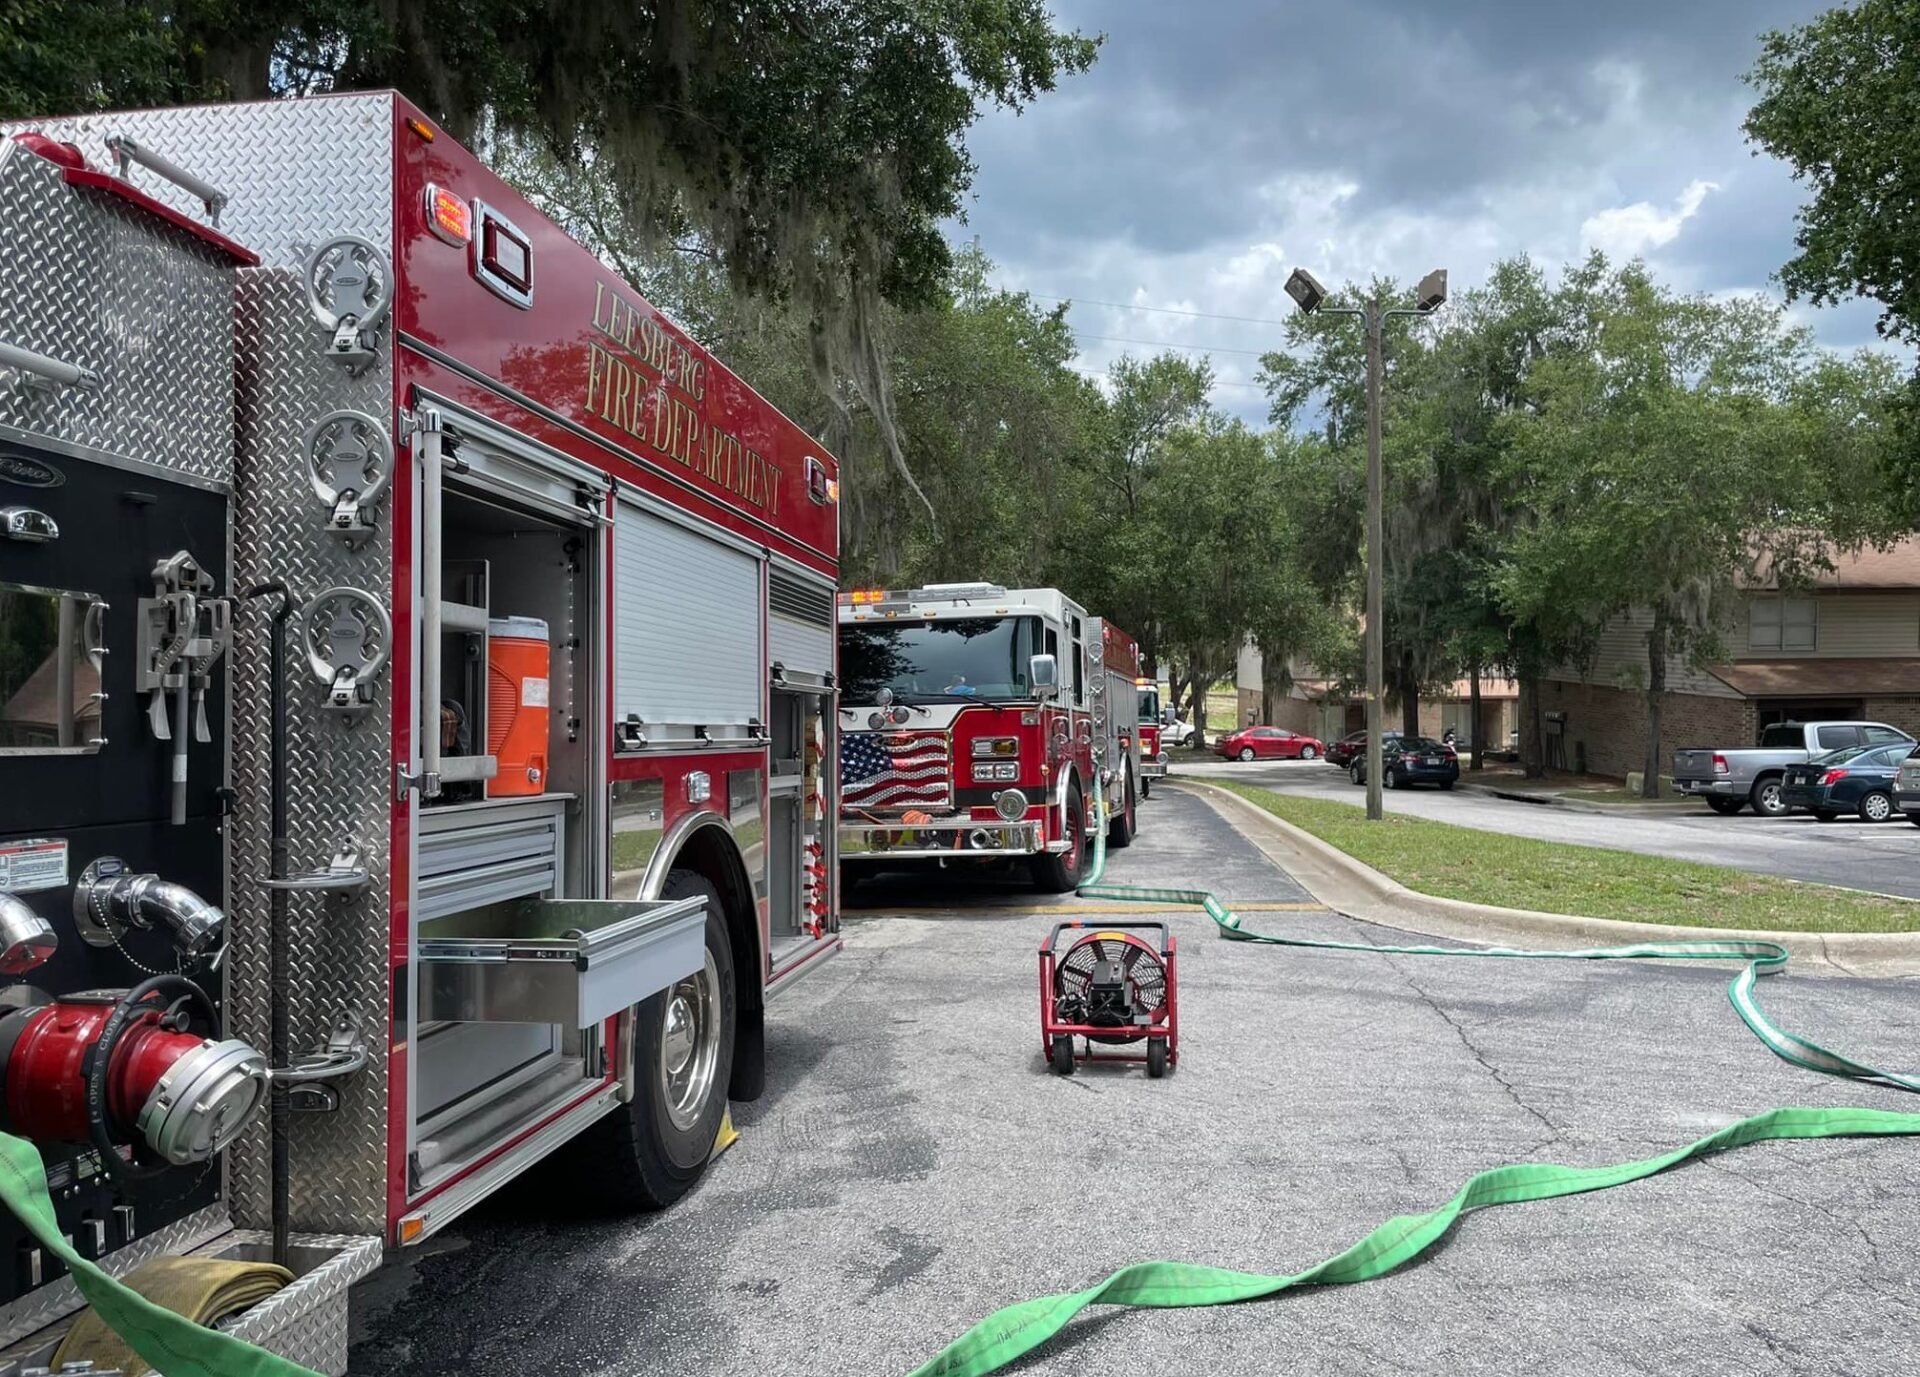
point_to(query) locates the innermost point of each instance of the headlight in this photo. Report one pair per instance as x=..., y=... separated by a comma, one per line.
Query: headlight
x=989, y=747
x=992, y=773
x=1010, y=804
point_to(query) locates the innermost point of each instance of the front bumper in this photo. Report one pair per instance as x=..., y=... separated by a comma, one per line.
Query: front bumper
x=1154, y=769
x=944, y=839
x=1707, y=788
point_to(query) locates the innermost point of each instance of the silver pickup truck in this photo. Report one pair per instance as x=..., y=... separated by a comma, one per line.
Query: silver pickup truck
x=1729, y=780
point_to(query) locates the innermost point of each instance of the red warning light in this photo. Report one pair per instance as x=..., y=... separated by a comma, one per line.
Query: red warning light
x=448, y=216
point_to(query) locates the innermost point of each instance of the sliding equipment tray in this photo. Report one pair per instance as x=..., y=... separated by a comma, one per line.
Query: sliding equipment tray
x=568, y=961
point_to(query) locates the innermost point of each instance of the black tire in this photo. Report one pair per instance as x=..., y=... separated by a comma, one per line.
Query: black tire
x=1121, y=831
x=1060, y=1054
x=1353, y=774
x=1146, y=788
x=644, y=1155
x=1726, y=807
x=1058, y=872
x=1156, y=1057
x=1308, y=753
x=1246, y=753
x=1876, y=806
x=1826, y=814
x=1765, y=798
x=1914, y=818
x=1388, y=780
x=1446, y=784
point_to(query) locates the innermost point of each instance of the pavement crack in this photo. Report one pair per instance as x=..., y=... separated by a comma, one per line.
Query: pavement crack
x=1845, y=1221
x=1473, y=1050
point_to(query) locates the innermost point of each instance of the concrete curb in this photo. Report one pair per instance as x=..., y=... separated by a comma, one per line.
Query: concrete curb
x=1351, y=887
x=1573, y=805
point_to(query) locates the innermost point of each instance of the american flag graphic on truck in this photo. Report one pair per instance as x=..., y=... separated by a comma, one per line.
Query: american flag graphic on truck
x=893, y=770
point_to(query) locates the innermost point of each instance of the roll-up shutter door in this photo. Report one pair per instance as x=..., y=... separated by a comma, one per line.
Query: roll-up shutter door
x=800, y=627
x=686, y=624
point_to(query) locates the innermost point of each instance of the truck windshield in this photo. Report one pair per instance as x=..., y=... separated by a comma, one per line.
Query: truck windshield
x=1149, y=705
x=938, y=661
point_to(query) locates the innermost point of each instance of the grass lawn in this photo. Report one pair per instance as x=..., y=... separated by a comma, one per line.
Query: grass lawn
x=1553, y=877
x=1620, y=795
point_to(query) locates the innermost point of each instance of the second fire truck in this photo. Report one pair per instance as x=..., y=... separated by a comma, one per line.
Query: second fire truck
x=981, y=725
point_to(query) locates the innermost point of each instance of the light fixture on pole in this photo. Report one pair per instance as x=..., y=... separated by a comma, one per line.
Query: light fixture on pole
x=1428, y=297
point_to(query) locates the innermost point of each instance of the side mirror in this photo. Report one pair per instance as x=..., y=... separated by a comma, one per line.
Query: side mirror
x=1044, y=671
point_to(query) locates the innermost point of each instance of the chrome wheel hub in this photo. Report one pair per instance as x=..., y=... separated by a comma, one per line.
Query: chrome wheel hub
x=690, y=1044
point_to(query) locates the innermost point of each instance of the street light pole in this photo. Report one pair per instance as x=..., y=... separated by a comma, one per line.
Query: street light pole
x=1373, y=314
x=1376, y=620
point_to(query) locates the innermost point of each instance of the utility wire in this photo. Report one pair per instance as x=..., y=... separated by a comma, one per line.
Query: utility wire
x=1157, y=310
x=1169, y=344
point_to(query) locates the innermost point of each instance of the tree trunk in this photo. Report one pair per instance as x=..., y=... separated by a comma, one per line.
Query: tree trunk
x=1656, y=690
x=1199, y=738
x=1474, y=735
x=1409, y=702
x=1532, y=735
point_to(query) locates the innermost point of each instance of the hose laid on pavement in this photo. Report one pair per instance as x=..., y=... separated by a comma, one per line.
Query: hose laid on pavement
x=1018, y=1329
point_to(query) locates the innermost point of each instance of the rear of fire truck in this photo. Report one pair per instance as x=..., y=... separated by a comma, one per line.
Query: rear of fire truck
x=972, y=724
x=416, y=682
x=1153, y=755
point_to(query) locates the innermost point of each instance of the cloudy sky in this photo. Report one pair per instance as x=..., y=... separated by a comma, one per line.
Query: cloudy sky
x=1217, y=143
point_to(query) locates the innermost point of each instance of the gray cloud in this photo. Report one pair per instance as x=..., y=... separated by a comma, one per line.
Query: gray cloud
x=1215, y=144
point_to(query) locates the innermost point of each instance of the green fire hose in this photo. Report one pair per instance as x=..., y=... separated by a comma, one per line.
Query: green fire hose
x=176, y=1346
x=1018, y=1329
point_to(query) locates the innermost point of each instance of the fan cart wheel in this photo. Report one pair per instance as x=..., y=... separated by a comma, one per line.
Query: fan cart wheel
x=1061, y=1055
x=1156, y=1057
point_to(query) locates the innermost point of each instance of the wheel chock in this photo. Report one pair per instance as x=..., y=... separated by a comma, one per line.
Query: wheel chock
x=726, y=1137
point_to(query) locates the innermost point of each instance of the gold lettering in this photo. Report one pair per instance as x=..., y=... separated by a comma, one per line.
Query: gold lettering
x=597, y=361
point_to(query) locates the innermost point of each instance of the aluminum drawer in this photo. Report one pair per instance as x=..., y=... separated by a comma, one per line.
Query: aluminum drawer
x=568, y=961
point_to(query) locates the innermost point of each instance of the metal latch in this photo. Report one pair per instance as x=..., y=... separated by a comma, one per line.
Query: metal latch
x=349, y=287
x=344, y=874
x=349, y=464
x=343, y=1053
x=348, y=637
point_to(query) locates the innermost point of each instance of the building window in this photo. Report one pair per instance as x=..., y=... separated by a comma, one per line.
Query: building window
x=1783, y=624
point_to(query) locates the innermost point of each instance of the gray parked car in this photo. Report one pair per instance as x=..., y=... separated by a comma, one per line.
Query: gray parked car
x=1730, y=779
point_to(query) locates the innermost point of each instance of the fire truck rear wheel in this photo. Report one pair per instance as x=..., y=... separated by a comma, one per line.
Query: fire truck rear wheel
x=651, y=1151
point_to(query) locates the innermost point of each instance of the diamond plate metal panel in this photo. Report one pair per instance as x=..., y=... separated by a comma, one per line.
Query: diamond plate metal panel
x=341, y=776
x=306, y=1322
x=296, y=173
x=91, y=281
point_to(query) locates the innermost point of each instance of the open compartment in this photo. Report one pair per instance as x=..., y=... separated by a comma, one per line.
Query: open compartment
x=570, y=962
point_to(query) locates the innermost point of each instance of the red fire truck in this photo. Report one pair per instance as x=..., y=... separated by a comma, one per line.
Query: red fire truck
x=981, y=724
x=419, y=650
x=1153, y=756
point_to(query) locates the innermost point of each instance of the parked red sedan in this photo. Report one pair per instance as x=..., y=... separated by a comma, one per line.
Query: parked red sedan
x=1255, y=743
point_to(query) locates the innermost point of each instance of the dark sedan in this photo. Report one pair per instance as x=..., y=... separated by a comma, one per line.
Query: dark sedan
x=1853, y=779
x=1343, y=751
x=1408, y=760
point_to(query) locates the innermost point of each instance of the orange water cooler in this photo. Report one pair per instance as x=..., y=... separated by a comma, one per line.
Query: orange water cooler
x=518, y=657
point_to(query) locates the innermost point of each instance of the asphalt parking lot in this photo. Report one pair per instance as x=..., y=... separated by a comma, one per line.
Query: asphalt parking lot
x=1884, y=857
x=913, y=1166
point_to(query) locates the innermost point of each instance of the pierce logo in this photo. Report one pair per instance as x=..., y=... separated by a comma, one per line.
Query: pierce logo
x=28, y=473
